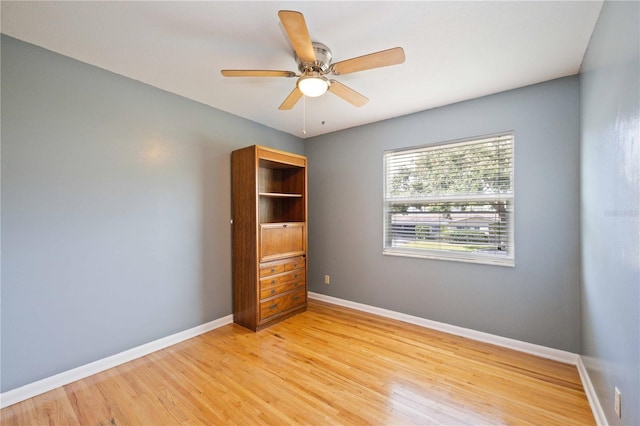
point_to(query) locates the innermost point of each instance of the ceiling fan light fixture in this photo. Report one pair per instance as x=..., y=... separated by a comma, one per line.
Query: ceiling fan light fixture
x=313, y=84
x=314, y=63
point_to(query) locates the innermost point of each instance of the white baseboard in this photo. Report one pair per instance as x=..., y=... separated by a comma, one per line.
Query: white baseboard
x=594, y=401
x=530, y=348
x=41, y=386
x=36, y=388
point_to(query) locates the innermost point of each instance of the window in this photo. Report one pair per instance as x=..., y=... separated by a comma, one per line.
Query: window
x=451, y=201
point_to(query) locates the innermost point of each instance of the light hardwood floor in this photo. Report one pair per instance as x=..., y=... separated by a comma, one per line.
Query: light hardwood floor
x=329, y=365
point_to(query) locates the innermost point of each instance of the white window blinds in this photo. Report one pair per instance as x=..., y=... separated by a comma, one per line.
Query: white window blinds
x=451, y=201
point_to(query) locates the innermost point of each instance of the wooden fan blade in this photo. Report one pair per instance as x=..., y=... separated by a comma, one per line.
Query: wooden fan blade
x=296, y=28
x=348, y=94
x=292, y=99
x=373, y=60
x=257, y=73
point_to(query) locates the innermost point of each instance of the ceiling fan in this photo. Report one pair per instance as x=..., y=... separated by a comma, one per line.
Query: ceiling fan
x=314, y=64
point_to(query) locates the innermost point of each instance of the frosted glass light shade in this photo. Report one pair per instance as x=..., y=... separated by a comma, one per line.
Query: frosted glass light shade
x=313, y=85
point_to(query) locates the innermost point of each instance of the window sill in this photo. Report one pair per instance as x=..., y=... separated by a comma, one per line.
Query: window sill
x=434, y=255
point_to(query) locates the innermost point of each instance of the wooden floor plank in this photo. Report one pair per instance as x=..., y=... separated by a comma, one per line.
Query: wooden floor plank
x=329, y=365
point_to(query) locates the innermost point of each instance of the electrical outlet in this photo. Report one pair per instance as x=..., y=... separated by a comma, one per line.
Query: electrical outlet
x=327, y=280
x=618, y=402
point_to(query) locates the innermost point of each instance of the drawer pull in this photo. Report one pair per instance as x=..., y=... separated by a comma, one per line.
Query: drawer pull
x=273, y=269
x=295, y=284
x=295, y=275
x=272, y=307
x=296, y=298
x=295, y=265
x=273, y=291
x=273, y=281
x=284, y=225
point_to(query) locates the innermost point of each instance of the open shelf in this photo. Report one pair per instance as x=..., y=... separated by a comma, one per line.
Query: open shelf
x=281, y=191
x=279, y=195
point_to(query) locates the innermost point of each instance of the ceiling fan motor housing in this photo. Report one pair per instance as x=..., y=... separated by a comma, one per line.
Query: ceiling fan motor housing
x=323, y=59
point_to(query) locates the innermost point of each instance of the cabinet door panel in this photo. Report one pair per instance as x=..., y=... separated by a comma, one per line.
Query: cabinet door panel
x=281, y=240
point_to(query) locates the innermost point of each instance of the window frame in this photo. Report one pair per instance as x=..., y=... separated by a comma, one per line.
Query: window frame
x=450, y=255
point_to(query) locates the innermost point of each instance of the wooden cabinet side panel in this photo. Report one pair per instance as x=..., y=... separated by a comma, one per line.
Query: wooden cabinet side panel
x=245, y=241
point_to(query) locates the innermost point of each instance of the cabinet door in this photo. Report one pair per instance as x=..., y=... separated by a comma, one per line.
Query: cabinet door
x=279, y=240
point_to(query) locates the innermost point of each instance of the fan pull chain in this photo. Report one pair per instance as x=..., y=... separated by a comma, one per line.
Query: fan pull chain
x=304, y=115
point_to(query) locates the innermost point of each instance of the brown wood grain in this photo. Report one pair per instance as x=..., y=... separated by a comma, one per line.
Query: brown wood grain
x=282, y=240
x=328, y=365
x=269, y=193
x=244, y=186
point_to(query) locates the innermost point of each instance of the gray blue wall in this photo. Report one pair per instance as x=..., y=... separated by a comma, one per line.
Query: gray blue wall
x=115, y=212
x=537, y=301
x=610, y=210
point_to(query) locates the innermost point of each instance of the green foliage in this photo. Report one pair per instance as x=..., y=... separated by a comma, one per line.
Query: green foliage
x=469, y=169
x=443, y=188
x=428, y=232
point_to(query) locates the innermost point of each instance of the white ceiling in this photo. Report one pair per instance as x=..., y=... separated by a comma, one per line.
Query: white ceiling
x=454, y=50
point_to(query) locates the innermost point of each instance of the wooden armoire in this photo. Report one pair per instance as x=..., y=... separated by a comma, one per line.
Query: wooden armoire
x=269, y=204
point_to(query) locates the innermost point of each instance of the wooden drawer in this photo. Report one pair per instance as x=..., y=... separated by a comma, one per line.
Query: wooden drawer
x=279, y=266
x=294, y=263
x=281, y=240
x=272, y=268
x=281, y=304
x=274, y=280
x=275, y=286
